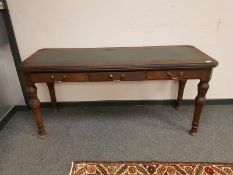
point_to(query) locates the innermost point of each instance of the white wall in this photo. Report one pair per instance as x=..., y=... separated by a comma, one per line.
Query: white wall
x=206, y=24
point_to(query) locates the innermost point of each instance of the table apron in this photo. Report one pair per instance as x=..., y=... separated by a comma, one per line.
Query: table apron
x=169, y=74
x=173, y=74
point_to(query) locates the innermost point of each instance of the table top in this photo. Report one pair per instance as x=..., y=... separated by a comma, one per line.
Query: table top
x=117, y=58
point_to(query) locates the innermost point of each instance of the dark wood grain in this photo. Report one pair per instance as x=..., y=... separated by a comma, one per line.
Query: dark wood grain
x=203, y=87
x=52, y=96
x=35, y=106
x=58, y=77
x=117, y=76
x=180, y=94
x=175, y=74
x=117, y=58
x=179, y=63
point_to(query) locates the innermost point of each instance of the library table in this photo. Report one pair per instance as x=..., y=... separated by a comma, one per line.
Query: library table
x=179, y=63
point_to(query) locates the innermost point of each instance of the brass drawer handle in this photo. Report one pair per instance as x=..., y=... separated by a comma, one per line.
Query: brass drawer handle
x=59, y=81
x=175, y=77
x=53, y=79
x=122, y=76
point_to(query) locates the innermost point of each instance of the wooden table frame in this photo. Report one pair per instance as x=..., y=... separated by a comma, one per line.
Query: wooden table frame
x=180, y=72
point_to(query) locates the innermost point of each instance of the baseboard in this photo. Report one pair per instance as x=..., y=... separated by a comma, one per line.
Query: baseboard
x=225, y=101
x=136, y=103
x=127, y=103
x=16, y=108
x=113, y=103
x=22, y=108
x=6, y=118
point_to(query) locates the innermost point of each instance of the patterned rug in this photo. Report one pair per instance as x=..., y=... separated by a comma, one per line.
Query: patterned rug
x=150, y=168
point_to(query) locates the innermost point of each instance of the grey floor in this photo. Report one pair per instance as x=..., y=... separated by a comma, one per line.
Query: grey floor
x=127, y=133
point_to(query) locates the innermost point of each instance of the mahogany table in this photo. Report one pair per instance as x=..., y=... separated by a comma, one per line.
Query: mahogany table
x=178, y=63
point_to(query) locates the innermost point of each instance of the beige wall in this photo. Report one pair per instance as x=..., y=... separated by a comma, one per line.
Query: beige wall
x=206, y=24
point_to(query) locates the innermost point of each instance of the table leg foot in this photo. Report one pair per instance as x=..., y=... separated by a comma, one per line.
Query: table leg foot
x=42, y=136
x=192, y=133
x=41, y=131
x=55, y=108
x=178, y=107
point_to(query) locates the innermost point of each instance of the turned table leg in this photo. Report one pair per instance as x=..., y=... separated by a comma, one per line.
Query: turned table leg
x=52, y=96
x=35, y=106
x=180, y=94
x=203, y=87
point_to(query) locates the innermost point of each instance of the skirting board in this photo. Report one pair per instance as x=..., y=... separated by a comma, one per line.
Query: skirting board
x=16, y=108
x=5, y=119
x=127, y=103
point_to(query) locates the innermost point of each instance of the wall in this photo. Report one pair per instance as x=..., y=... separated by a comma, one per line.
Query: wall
x=10, y=90
x=206, y=24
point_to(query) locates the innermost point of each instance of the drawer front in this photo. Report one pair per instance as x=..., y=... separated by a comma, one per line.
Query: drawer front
x=179, y=74
x=117, y=76
x=58, y=77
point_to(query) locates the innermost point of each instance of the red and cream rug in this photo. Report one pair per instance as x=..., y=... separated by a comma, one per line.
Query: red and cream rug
x=150, y=168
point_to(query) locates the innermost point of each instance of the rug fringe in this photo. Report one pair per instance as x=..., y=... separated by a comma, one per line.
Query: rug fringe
x=71, y=168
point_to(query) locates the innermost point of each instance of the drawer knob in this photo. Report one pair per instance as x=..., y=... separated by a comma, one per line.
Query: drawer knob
x=174, y=76
x=64, y=77
x=52, y=77
x=122, y=76
x=111, y=76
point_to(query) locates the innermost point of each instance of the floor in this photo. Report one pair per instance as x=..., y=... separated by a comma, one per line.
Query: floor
x=127, y=133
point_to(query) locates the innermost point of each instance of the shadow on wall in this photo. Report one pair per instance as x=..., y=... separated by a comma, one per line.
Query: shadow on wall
x=3, y=34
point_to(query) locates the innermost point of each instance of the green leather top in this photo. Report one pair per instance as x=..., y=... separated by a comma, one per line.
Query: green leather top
x=128, y=56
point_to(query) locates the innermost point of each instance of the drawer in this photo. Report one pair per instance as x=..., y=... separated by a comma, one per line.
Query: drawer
x=179, y=74
x=58, y=77
x=117, y=76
